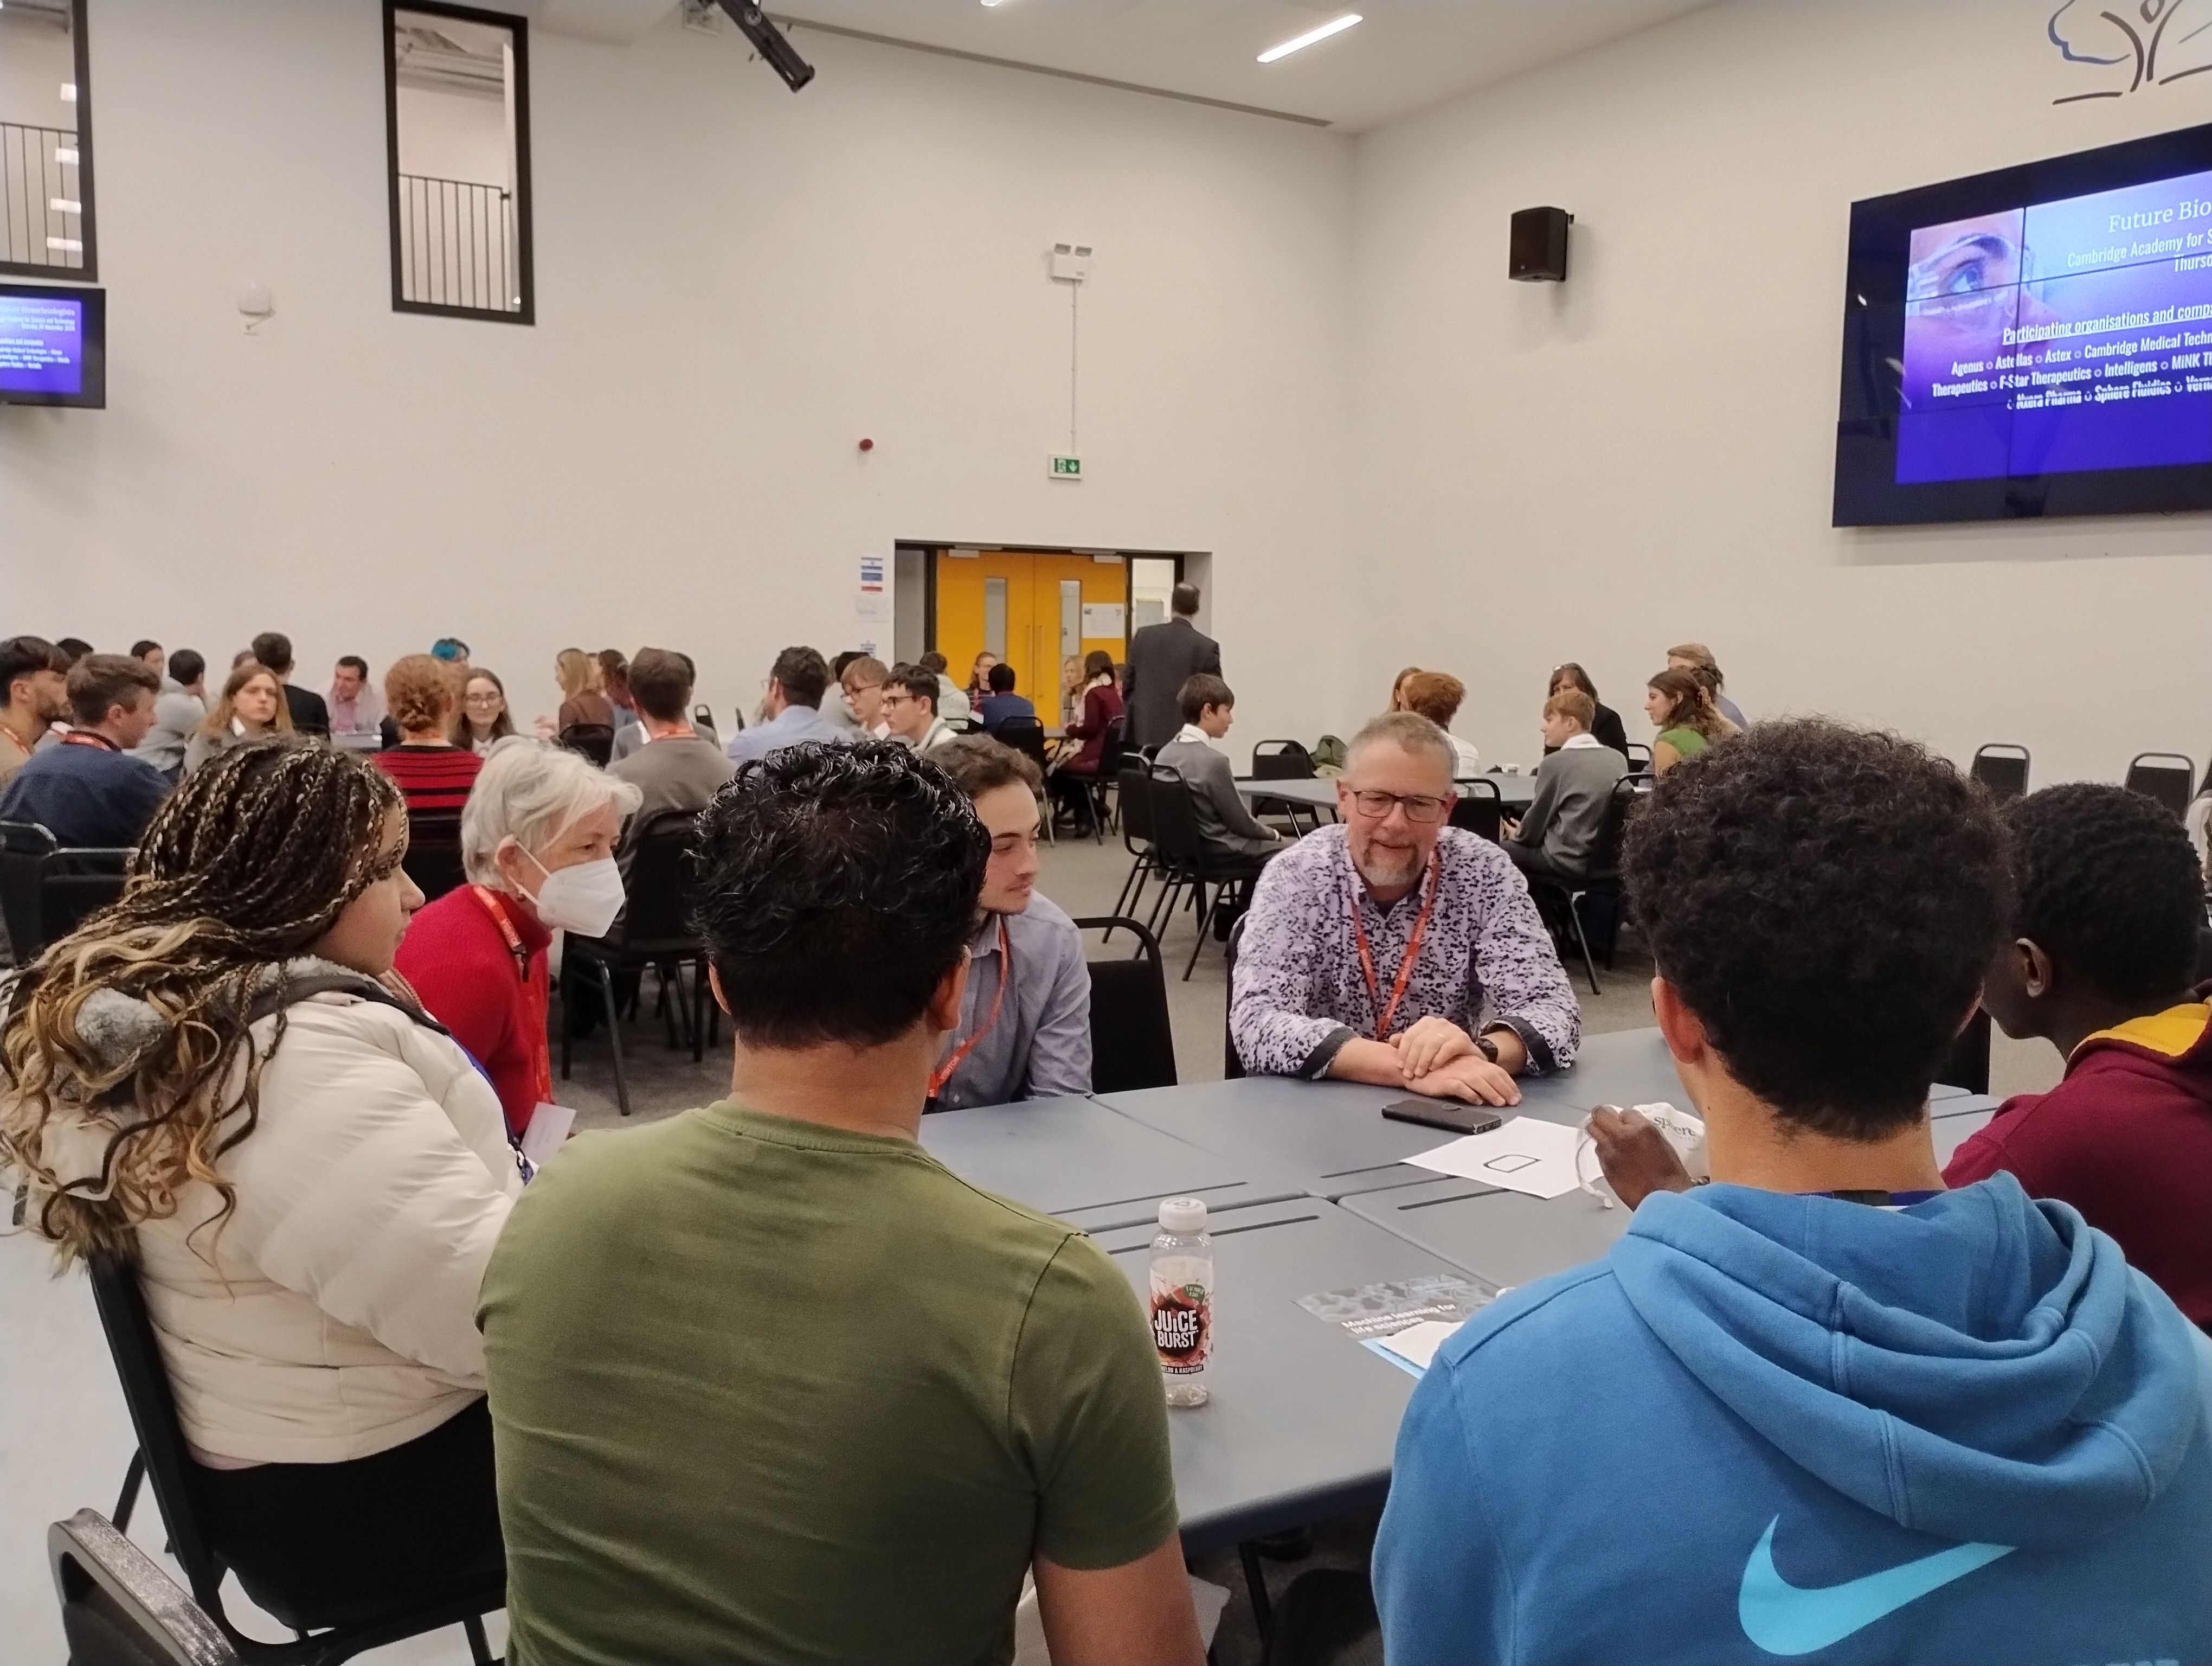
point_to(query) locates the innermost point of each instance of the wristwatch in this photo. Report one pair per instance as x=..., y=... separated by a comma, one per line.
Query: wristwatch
x=1486, y=1047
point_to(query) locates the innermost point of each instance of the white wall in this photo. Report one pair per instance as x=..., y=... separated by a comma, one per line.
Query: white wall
x=734, y=285
x=1595, y=470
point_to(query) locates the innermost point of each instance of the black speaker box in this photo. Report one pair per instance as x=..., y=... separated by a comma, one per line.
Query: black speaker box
x=1540, y=246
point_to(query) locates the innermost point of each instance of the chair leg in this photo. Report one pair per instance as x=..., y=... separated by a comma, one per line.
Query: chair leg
x=1255, y=1585
x=1582, y=938
x=127, y=1499
x=614, y=1035
x=479, y=1644
x=1205, y=912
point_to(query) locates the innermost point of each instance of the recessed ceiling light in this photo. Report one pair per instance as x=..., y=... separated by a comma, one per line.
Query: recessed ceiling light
x=1306, y=40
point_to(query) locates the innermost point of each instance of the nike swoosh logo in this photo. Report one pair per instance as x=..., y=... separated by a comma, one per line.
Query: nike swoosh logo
x=1782, y=1619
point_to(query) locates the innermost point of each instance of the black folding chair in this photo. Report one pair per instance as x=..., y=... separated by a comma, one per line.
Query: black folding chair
x=1639, y=758
x=2001, y=768
x=1187, y=861
x=1283, y=760
x=2168, y=777
x=47, y=889
x=654, y=930
x=1087, y=791
x=119, y=1608
x=1600, y=879
x=596, y=741
x=161, y=1459
x=1132, y=1034
x=1133, y=795
x=1481, y=807
x=433, y=860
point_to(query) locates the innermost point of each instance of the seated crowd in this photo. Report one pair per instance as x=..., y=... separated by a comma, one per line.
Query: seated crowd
x=764, y=1380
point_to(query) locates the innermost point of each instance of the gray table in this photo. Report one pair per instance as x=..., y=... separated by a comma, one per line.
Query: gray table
x=1079, y=1160
x=1302, y=1419
x=1622, y=1068
x=1514, y=792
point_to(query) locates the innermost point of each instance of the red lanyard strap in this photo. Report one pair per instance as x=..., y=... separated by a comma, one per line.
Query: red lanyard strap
x=497, y=910
x=943, y=1074
x=1412, y=948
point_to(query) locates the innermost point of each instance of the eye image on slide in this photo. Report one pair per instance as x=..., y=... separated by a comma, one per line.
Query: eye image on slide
x=2061, y=337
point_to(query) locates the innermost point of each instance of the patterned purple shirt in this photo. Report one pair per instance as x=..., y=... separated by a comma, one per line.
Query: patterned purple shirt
x=1300, y=993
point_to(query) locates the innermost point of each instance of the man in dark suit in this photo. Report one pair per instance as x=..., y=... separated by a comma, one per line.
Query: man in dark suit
x=1161, y=658
x=310, y=715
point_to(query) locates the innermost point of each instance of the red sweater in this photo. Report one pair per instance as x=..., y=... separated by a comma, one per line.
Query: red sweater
x=458, y=962
x=431, y=777
x=2126, y=1139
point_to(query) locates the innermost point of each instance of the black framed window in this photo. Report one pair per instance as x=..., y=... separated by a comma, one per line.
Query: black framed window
x=45, y=141
x=457, y=116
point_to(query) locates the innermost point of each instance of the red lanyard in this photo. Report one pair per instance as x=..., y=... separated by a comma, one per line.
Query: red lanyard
x=1412, y=948
x=943, y=1074
x=85, y=738
x=541, y=1051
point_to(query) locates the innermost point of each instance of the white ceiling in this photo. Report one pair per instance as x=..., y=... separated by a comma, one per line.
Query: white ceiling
x=1406, y=54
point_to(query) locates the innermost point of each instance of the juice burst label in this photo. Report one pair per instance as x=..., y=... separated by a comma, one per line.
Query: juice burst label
x=1182, y=1326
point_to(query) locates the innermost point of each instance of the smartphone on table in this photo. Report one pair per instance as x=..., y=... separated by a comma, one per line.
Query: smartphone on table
x=1450, y=1114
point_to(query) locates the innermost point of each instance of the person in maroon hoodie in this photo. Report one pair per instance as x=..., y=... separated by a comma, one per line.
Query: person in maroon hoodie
x=2103, y=951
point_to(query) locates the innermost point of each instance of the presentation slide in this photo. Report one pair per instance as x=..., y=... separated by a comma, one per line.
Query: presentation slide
x=41, y=344
x=2061, y=337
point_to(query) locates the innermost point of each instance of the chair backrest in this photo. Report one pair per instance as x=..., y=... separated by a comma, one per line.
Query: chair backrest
x=433, y=860
x=1281, y=760
x=48, y=889
x=1613, y=831
x=2001, y=768
x=1639, y=756
x=1111, y=750
x=1232, y=1068
x=656, y=917
x=1026, y=736
x=153, y=1407
x=119, y=1608
x=1131, y=1033
x=1481, y=807
x=2167, y=776
x=1133, y=792
x=1174, y=823
x=702, y=716
x=596, y=741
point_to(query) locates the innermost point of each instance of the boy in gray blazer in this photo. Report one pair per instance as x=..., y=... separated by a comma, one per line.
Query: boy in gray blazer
x=1225, y=823
x=1559, y=833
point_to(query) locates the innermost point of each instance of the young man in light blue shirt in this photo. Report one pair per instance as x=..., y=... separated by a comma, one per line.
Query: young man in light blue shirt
x=1026, y=1020
x=1822, y=1407
x=796, y=688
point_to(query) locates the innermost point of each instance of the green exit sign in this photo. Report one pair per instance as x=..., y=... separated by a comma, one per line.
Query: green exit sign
x=1067, y=468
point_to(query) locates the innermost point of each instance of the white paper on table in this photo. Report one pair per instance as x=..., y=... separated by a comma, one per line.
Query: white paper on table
x=1418, y=1344
x=1526, y=1155
x=549, y=1127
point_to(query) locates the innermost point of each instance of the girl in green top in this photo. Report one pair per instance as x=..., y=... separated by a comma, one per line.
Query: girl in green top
x=1681, y=708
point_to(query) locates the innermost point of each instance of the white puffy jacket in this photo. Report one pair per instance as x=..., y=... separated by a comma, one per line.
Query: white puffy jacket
x=333, y=1316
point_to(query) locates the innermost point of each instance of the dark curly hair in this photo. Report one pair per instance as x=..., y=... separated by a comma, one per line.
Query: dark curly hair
x=1826, y=901
x=835, y=887
x=2109, y=888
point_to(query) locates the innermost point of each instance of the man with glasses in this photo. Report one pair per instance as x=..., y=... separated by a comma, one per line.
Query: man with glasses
x=1374, y=946
x=909, y=707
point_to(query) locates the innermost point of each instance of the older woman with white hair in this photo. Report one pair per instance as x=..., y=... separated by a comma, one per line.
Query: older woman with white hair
x=538, y=838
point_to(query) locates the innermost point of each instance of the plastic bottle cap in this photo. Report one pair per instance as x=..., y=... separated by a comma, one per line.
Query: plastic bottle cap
x=1183, y=1215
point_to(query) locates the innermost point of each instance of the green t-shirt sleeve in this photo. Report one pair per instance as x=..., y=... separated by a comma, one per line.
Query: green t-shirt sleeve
x=1088, y=1408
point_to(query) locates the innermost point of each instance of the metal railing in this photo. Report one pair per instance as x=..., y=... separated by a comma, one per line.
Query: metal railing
x=41, y=210
x=457, y=245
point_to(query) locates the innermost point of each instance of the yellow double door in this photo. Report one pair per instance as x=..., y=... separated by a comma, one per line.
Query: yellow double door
x=1028, y=608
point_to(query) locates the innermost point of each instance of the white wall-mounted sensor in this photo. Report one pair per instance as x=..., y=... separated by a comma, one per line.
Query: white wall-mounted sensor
x=254, y=305
x=1071, y=262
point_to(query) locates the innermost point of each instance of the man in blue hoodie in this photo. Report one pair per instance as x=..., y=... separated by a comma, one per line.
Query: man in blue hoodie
x=1822, y=1409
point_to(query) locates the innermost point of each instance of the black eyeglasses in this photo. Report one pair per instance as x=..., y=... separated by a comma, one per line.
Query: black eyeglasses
x=1421, y=808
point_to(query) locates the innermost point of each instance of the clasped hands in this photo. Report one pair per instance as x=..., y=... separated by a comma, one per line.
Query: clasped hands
x=1439, y=1059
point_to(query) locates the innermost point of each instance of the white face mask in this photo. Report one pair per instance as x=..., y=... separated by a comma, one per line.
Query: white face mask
x=584, y=899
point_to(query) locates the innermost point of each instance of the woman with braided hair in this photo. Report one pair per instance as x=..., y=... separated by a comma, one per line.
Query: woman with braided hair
x=214, y=1077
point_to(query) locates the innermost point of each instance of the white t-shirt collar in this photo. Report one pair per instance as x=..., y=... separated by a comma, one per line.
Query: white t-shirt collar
x=1576, y=743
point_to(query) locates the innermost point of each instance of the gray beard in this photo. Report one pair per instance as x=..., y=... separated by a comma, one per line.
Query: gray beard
x=1391, y=879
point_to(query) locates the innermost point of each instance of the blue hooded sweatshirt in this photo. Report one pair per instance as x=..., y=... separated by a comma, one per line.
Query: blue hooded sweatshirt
x=1769, y=1427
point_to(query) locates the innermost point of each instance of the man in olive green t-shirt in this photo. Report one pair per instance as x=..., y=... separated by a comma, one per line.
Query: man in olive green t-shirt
x=768, y=1382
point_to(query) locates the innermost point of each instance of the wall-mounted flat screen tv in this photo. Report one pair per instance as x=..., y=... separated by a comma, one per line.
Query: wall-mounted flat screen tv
x=2033, y=342
x=53, y=345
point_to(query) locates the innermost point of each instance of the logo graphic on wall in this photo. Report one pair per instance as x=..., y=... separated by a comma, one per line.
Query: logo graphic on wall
x=2133, y=46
